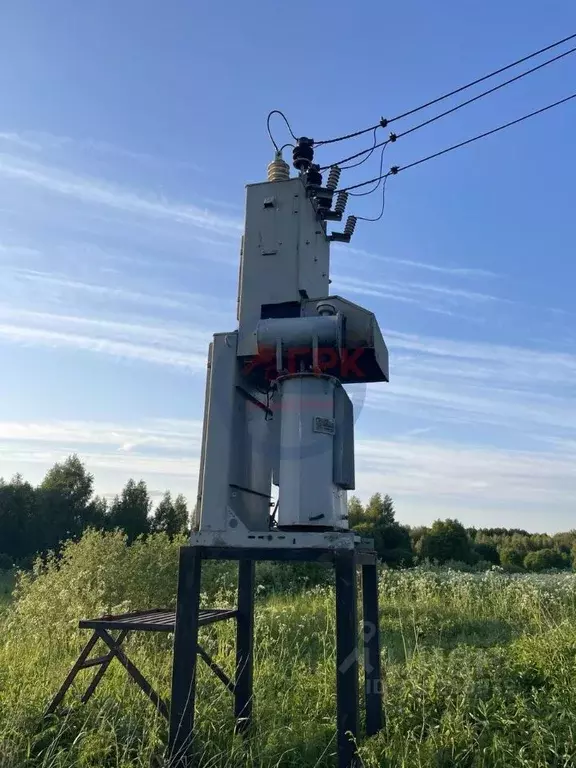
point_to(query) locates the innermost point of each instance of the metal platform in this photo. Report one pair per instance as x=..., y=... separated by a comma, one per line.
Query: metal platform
x=154, y=620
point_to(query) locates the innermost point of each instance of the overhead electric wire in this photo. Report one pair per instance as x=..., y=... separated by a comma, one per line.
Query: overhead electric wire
x=396, y=169
x=485, y=93
x=358, y=154
x=283, y=116
x=371, y=191
x=377, y=218
x=351, y=135
x=431, y=120
x=369, y=154
x=383, y=123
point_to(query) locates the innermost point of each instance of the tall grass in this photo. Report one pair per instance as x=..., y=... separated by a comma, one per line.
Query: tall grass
x=480, y=669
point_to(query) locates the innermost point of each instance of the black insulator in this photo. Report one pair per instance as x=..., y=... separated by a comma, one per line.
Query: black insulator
x=303, y=154
x=313, y=176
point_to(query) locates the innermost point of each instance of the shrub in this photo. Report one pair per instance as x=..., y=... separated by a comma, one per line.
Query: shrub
x=544, y=559
x=446, y=540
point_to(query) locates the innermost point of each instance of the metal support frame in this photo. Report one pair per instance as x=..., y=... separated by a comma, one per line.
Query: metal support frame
x=244, y=646
x=158, y=620
x=345, y=563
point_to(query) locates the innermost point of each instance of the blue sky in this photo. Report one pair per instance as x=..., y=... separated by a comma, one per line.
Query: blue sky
x=127, y=133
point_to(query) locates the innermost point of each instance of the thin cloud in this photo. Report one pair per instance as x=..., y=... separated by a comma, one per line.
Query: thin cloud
x=123, y=341
x=416, y=291
x=198, y=304
x=97, y=192
x=156, y=433
x=20, y=141
x=427, y=266
x=38, y=141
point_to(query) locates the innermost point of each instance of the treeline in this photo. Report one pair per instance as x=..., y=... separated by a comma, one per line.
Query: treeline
x=448, y=542
x=36, y=519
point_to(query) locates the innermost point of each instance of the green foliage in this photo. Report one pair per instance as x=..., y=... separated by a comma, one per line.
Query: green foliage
x=479, y=668
x=377, y=521
x=17, y=517
x=511, y=558
x=486, y=552
x=544, y=560
x=170, y=517
x=355, y=511
x=446, y=540
x=129, y=511
x=6, y=562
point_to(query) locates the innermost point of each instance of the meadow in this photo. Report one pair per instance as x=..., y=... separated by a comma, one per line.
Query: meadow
x=480, y=668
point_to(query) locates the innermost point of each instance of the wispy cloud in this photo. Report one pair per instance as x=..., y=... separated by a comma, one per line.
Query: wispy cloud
x=428, y=296
x=167, y=344
x=426, y=478
x=34, y=285
x=164, y=452
x=20, y=141
x=38, y=141
x=418, y=265
x=97, y=192
x=443, y=381
x=162, y=434
x=433, y=478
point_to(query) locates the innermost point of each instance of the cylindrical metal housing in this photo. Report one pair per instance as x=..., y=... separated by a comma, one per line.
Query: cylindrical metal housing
x=308, y=496
x=294, y=332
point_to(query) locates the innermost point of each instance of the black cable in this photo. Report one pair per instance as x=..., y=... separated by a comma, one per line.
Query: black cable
x=377, y=218
x=489, y=133
x=283, y=116
x=486, y=93
x=370, y=192
x=453, y=109
x=482, y=79
x=368, y=156
x=396, y=169
x=383, y=123
x=358, y=154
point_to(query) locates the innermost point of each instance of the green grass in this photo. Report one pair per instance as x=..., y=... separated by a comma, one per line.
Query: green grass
x=480, y=668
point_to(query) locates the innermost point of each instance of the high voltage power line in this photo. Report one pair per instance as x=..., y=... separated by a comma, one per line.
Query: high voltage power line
x=384, y=122
x=393, y=136
x=367, y=153
x=397, y=169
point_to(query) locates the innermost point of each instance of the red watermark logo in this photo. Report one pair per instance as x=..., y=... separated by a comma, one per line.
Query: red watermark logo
x=326, y=360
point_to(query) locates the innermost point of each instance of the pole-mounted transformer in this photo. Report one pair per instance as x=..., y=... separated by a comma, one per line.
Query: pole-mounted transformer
x=276, y=408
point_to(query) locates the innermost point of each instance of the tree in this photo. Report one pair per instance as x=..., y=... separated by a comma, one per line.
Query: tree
x=65, y=507
x=18, y=510
x=355, y=511
x=170, y=517
x=380, y=509
x=181, y=513
x=377, y=521
x=545, y=559
x=446, y=540
x=130, y=510
x=511, y=557
x=486, y=552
